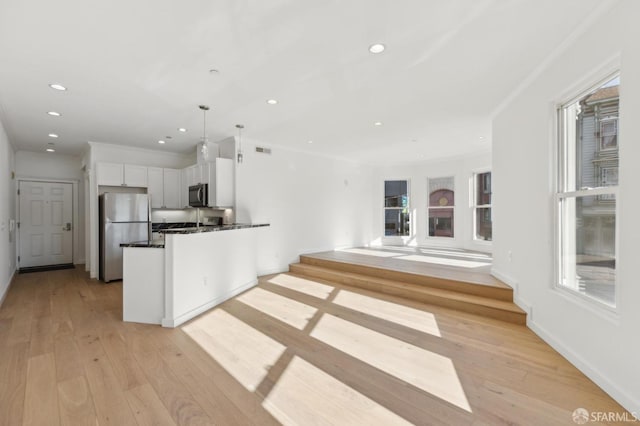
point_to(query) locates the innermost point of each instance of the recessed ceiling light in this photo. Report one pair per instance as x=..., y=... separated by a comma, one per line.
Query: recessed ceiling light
x=182, y=130
x=51, y=150
x=58, y=87
x=272, y=102
x=377, y=48
x=378, y=123
x=53, y=135
x=161, y=142
x=309, y=141
x=55, y=114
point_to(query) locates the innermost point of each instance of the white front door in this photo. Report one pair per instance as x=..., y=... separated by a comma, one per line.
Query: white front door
x=46, y=223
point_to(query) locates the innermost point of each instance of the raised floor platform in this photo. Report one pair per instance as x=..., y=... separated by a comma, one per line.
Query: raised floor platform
x=456, y=279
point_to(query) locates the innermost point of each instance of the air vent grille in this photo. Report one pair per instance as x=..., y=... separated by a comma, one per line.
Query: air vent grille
x=263, y=150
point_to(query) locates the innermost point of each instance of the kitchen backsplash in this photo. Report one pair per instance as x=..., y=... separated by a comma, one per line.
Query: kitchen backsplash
x=189, y=215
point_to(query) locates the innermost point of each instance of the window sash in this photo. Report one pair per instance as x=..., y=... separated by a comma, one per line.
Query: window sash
x=568, y=169
x=406, y=196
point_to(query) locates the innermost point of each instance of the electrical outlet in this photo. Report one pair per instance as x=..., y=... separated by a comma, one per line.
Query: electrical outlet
x=510, y=256
x=204, y=281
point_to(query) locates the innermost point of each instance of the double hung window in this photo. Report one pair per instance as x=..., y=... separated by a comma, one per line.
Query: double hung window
x=396, y=208
x=587, y=193
x=482, y=218
x=441, y=206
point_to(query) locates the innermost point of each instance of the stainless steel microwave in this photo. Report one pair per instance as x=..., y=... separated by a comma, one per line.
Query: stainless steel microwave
x=199, y=195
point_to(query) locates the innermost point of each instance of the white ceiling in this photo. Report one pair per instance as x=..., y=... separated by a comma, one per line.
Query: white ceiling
x=137, y=70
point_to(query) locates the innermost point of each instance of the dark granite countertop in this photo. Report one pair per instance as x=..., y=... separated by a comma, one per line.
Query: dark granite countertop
x=159, y=242
x=210, y=228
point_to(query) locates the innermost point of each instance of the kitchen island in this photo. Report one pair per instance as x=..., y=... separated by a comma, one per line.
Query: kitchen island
x=169, y=281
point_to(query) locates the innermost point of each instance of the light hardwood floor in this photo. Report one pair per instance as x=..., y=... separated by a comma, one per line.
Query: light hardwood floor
x=290, y=351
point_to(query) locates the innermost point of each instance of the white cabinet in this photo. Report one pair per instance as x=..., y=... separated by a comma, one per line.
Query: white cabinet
x=118, y=174
x=110, y=174
x=193, y=175
x=171, y=178
x=164, y=188
x=135, y=175
x=184, y=186
x=220, y=179
x=156, y=187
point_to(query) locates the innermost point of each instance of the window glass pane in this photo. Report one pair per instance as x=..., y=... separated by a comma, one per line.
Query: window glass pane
x=396, y=222
x=483, y=223
x=591, y=157
x=588, y=246
x=441, y=222
x=441, y=192
x=483, y=189
x=395, y=193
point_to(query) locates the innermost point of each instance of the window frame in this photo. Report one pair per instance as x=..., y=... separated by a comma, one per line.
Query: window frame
x=408, y=207
x=474, y=206
x=561, y=158
x=438, y=207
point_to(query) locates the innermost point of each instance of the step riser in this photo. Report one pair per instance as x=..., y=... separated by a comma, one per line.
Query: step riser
x=363, y=283
x=505, y=294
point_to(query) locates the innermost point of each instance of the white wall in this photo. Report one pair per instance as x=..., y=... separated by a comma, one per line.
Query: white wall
x=313, y=203
x=605, y=347
x=48, y=166
x=7, y=212
x=462, y=169
x=108, y=153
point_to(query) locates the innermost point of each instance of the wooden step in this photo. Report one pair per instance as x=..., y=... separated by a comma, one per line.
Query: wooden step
x=484, y=306
x=477, y=287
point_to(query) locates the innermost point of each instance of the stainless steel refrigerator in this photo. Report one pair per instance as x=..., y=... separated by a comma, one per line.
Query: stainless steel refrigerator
x=124, y=218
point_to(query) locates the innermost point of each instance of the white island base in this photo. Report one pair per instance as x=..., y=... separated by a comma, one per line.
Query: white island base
x=191, y=274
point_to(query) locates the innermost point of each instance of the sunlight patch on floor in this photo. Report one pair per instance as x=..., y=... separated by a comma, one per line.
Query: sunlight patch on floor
x=306, y=395
x=302, y=285
x=243, y=351
x=393, y=312
x=421, y=368
x=457, y=253
x=444, y=261
x=282, y=308
x=377, y=253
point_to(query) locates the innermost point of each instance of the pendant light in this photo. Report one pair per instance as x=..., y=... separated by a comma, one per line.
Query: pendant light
x=240, y=154
x=204, y=150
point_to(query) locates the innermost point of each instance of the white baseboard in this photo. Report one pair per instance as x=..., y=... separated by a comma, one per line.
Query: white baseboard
x=6, y=287
x=508, y=280
x=277, y=270
x=174, y=322
x=517, y=299
x=587, y=369
x=575, y=359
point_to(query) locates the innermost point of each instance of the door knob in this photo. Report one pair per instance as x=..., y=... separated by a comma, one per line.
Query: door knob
x=67, y=227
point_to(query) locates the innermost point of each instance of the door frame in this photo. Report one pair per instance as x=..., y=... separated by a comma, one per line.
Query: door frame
x=74, y=211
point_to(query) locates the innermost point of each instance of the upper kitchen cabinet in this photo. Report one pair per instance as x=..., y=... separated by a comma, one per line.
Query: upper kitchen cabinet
x=193, y=175
x=164, y=188
x=221, y=182
x=117, y=174
x=171, y=179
